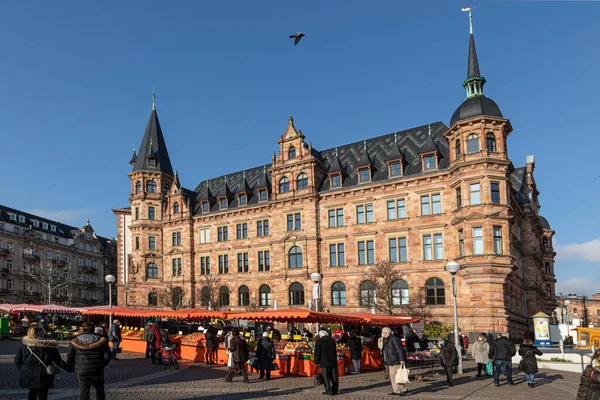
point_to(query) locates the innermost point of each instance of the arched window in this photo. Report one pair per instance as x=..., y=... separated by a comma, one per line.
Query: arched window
x=284, y=185
x=457, y=147
x=400, y=292
x=472, y=143
x=435, y=293
x=295, y=257
x=545, y=241
x=138, y=187
x=205, y=297
x=490, y=142
x=151, y=270
x=244, y=293
x=291, y=153
x=177, y=297
x=151, y=187
x=176, y=208
x=152, y=299
x=296, y=294
x=265, y=296
x=302, y=181
x=224, y=296
x=367, y=294
x=338, y=294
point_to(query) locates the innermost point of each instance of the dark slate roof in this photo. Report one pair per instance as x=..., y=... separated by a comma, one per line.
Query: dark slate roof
x=154, y=136
x=62, y=230
x=476, y=106
x=473, y=68
x=133, y=158
x=517, y=179
x=544, y=222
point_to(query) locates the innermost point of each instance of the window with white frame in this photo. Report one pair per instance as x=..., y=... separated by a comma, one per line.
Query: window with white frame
x=337, y=257
x=477, y=240
x=204, y=235
x=497, y=240
x=475, y=190
x=433, y=247
x=366, y=252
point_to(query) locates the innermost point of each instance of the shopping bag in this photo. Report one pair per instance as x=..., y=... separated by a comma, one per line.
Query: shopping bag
x=402, y=375
x=489, y=368
x=275, y=367
x=230, y=362
x=253, y=362
x=318, y=379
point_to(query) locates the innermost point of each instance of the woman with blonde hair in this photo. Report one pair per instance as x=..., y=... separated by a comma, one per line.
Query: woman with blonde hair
x=35, y=359
x=528, y=363
x=589, y=387
x=481, y=351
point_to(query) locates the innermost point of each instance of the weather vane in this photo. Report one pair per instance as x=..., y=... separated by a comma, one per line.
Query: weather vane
x=470, y=19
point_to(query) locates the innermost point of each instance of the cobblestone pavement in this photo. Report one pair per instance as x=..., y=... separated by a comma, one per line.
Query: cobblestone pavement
x=136, y=378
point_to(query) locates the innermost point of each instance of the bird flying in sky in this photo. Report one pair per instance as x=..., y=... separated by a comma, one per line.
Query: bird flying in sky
x=297, y=36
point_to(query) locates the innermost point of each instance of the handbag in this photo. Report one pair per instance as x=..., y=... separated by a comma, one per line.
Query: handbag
x=275, y=367
x=318, y=379
x=489, y=368
x=520, y=366
x=50, y=369
x=253, y=362
x=402, y=375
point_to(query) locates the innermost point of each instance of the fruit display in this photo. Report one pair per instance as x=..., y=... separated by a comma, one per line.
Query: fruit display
x=175, y=338
x=132, y=334
x=195, y=337
x=297, y=347
x=280, y=345
x=341, y=347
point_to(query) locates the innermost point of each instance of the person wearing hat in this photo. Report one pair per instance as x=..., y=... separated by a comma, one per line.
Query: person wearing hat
x=33, y=358
x=114, y=335
x=265, y=352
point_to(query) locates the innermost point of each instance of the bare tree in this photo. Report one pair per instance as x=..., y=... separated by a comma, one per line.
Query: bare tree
x=585, y=314
x=387, y=298
x=418, y=307
x=254, y=307
x=172, y=296
x=209, y=291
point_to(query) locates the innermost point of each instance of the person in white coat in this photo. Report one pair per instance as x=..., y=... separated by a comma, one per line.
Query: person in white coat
x=481, y=350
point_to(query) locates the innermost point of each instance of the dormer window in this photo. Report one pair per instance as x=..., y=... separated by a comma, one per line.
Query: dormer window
x=151, y=162
x=53, y=228
x=138, y=187
x=44, y=225
x=176, y=208
x=222, y=203
x=457, y=147
x=205, y=206
x=242, y=199
x=262, y=194
x=36, y=223
x=302, y=181
x=364, y=174
x=291, y=153
x=429, y=161
x=284, y=185
x=165, y=188
x=151, y=187
x=22, y=219
x=13, y=217
x=490, y=142
x=472, y=143
x=336, y=180
x=395, y=168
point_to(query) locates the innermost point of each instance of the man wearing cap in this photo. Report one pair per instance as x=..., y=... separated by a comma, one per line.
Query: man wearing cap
x=114, y=335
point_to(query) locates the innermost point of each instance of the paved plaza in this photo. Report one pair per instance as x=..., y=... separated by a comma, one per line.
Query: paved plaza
x=134, y=377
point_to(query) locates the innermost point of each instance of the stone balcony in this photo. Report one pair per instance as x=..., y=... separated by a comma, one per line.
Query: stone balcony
x=30, y=257
x=4, y=251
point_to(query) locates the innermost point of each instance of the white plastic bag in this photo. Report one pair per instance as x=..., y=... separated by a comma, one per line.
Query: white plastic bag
x=230, y=362
x=402, y=375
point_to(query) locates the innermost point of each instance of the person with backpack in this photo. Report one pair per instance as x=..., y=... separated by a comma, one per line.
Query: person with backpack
x=34, y=357
x=149, y=339
x=114, y=335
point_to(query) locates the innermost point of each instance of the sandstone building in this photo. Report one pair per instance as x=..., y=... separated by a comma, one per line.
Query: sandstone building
x=44, y=261
x=418, y=198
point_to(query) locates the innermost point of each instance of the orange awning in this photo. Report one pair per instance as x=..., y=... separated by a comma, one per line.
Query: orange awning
x=381, y=319
x=137, y=312
x=204, y=313
x=293, y=315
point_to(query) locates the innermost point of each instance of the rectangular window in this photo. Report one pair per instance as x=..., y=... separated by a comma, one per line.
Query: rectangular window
x=336, y=217
x=364, y=213
x=461, y=243
x=205, y=206
x=152, y=243
x=337, y=256
x=395, y=168
x=9, y=264
x=205, y=265
x=264, y=261
x=262, y=228
x=497, y=240
x=436, y=204
x=176, y=262
x=262, y=195
x=397, y=249
x=433, y=247
x=204, y=235
x=223, y=203
x=366, y=252
x=176, y=238
x=242, y=262
x=364, y=174
x=336, y=180
x=224, y=264
x=242, y=199
x=477, y=240
x=547, y=268
x=241, y=231
x=396, y=209
x=429, y=162
x=137, y=242
x=425, y=205
x=137, y=213
x=294, y=222
x=9, y=284
x=151, y=214
x=495, y=186
x=458, y=198
x=222, y=234
x=475, y=193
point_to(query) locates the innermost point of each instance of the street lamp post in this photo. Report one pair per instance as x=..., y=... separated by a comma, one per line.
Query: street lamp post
x=110, y=279
x=316, y=278
x=453, y=267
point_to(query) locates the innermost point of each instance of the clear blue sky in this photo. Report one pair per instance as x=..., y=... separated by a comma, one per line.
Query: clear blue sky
x=76, y=81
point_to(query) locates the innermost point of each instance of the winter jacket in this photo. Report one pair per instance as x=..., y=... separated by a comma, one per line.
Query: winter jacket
x=211, y=340
x=393, y=351
x=32, y=374
x=276, y=335
x=156, y=338
x=88, y=354
x=411, y=339
x=465, y=339
x=149, y=335
x=114, y=333
x=589, y=387
x=489, y=338
x=481, y=351
x=529, y=362
x=239, y=348
x=265, y=353
x=424, y=342
x=503, y=349
x=325, y=353
x=449, y=355
x=355, y=346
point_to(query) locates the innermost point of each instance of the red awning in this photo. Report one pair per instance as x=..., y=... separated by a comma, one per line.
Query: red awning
x=293, y=315
x=46, y=309
x=381, y=319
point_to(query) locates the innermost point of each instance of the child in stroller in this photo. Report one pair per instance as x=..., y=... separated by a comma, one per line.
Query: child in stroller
x=167, y=350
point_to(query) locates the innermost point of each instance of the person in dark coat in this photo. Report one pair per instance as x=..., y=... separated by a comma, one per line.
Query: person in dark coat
x=589, y=386
x=394, y=356
x=411, y=339
x=212, y=344
x=114, y=335
x=528, y=363
x=449, y=359
x=88, y=354
x=265, y=352
x=502, y=352
x=156, y=344
x=355, y=346
x=306, y=333
x=326, y=358
x=489, y=337
x=32, y=373
x=149, y=339
x=239, y=349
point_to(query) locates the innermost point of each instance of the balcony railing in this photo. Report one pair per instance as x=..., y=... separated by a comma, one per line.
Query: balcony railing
x=30, y=257
x=4, y=251
x=3, y=270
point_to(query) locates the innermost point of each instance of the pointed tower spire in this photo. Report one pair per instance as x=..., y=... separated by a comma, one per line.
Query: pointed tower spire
x=153, y=155
x=474, y=82
x=153, y=98
x=133, y=157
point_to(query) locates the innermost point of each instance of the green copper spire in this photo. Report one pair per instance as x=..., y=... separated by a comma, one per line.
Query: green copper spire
x=474, y=82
